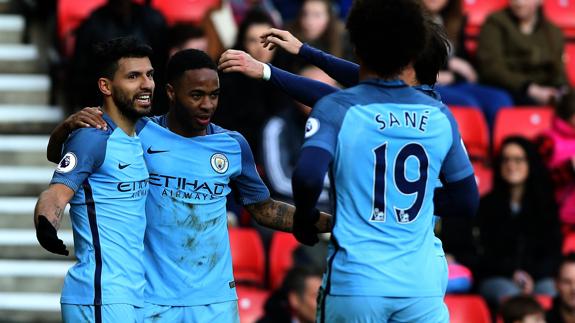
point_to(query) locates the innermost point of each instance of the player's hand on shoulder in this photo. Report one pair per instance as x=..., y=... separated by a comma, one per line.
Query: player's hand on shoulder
x=86, y=118
x=48, y=237
x=239, y=61
x=281, y=38
x=304, y=229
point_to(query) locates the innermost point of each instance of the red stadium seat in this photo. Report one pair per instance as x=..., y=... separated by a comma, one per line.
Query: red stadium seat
x=477, y=11
x=280, y=259
x=483, y=177
x=562, y=13
x=474, y=131
x=569, y=243
x=248, y=258
x=251, y=303
x=467, y=309
x=570, y=61
x=545, y=301
x=70, y=14
x=523, y=121
x=192, y=11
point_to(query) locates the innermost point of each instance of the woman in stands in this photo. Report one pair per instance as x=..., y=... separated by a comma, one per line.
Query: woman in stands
x=521, y=51
x=519, y=229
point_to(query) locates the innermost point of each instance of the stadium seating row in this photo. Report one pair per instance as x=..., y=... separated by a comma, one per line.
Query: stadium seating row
x=525, y=121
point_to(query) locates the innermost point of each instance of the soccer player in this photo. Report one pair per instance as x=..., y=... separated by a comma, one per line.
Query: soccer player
x=385, y=144
x=104, y=177
x=193, y=165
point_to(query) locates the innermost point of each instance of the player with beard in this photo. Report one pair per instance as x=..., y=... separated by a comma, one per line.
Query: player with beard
x=193, y=165
x=104, y=177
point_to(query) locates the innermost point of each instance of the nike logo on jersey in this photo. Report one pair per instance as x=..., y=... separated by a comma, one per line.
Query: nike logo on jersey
x=120, y=166
x=150, y=151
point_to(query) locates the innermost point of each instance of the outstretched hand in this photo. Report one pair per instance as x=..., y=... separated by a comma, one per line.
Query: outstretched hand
x=239, y=61
x=281, y=38
x=85, y=118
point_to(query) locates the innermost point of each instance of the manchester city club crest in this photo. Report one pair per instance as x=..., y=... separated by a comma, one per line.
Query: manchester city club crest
x=219, y=163
x=67, y=164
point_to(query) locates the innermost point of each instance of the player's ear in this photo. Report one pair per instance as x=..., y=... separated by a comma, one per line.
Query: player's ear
x=170, y=91
x=105, y=86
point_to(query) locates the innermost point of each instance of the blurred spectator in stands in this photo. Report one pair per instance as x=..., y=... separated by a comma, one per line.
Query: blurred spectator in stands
x=557, y=146
x=283, y=136
x=186, y=36
x=457, y=83
x=563, y=310
x=521, y=51
x=245, y=103
x=116, y=18
x=241, y=8
x=522, y=309
x=296, y=299
x=519, y=229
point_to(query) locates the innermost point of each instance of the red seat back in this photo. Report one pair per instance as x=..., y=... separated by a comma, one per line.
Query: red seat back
x=467, y=309
x=522, y=121
x=248, y=258
x=191, y=11
x=282, y=247
x=562, y=13
x=483, y=177
x=251, y=303
x=476, y=12
x=474, y=131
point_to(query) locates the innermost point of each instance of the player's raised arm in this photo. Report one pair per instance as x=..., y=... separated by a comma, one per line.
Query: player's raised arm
x=302, y=89
x=344, y=72
x=280, y=216
x=48, y=215
x=85, y=118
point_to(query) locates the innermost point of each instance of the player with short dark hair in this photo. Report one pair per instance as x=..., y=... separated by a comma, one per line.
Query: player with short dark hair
x=385, y=145
x=104, y=178
x=193, y=165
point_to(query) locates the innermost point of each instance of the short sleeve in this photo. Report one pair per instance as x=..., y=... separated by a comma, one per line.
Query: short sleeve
x=84, y=152
x=456, y=165
x=323, y=125
x=248, y=186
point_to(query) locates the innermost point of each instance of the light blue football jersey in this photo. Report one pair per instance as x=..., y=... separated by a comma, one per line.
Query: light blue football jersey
x=107, y=172
x=390, y=143
x=187, y=257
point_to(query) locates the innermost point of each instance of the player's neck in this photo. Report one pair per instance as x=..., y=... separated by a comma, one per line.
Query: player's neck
x=127, y=125
x=176, y=126
x=367, y=74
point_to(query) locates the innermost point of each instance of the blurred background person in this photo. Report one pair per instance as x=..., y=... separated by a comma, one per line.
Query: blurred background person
x=186, y=36
x=457, y=82
x=563, y=309
x=557, y=146
x=522, y=309
x=519, y=229
x=116, y=18
x=296, y=299
x=521, y=51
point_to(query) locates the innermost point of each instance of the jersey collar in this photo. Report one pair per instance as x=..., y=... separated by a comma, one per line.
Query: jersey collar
x=385, y=83
x=111, y=124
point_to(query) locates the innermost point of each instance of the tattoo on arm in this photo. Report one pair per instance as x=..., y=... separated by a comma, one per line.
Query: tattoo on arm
x=273, y=214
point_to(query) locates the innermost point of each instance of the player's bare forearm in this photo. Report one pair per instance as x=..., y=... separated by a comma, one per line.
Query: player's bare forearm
x=51, y=204
x=57, y=139
x=279, y=216
x=87, y=117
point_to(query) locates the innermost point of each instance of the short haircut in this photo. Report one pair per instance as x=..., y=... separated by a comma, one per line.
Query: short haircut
x=565, y=108
x=387, y=34
x=180, y=33
x=108, y=53
x=517, y=307
x=295, y=279
x=435, y=55
x=187, y=59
